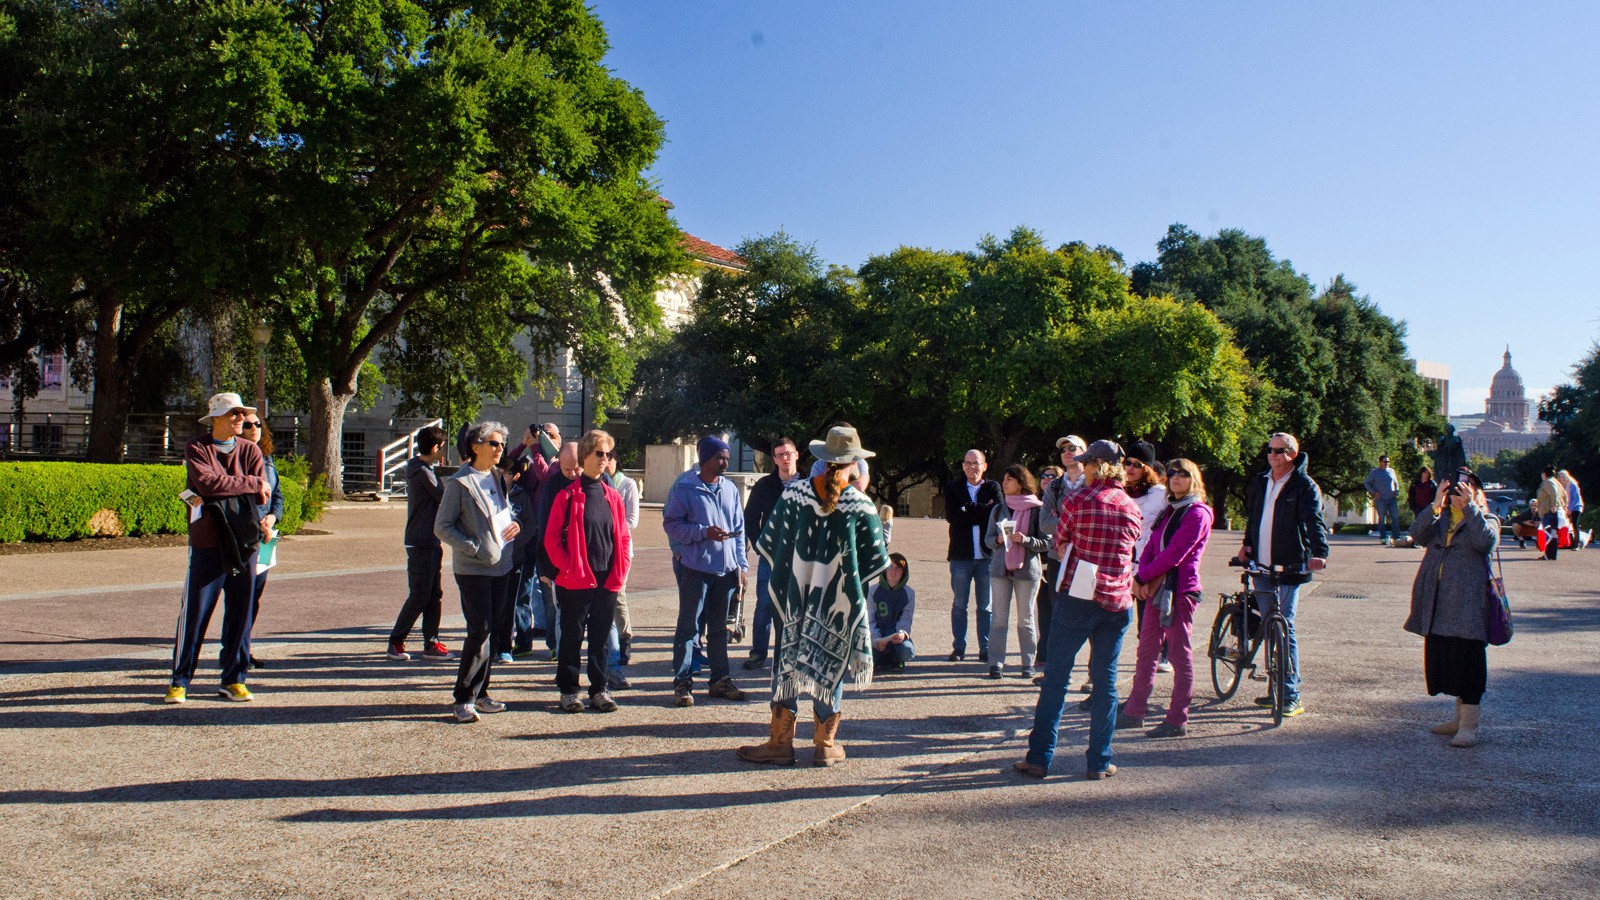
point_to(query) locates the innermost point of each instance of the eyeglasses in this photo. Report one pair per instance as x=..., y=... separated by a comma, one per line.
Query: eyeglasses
x=495, y=444
x=1280, y=451
x=1174, y=473
x=251, y=425
x=604, y=454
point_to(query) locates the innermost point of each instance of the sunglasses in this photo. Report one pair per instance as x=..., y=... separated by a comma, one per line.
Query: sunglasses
x=1174, y=473
x=495, y=444
x=251, y=425
x=1134, y=464
x=604, y=454
x=1280, y=451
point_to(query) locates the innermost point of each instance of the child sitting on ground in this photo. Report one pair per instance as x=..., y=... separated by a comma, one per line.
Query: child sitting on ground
x=893, y=602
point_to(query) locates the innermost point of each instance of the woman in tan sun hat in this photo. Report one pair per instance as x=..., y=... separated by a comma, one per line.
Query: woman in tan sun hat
x=825, y=544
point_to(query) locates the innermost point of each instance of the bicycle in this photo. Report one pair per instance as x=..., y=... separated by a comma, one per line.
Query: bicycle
x=1240, y=631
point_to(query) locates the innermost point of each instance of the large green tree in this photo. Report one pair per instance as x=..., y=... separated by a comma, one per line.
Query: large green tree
x=1333, y=366
x=1573, y=411
x=429, y=149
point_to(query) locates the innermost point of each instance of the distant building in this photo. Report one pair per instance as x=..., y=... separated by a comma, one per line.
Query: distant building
x=1438, y=375
x=1508, y=421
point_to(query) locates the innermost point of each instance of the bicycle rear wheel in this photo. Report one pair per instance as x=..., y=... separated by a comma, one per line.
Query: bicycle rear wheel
x=1226, y=650
x=1277, y=667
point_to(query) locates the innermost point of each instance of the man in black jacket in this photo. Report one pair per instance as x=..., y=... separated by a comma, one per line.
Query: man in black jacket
x=764, y=496
x=967, y=502
x=1285, y=531
x=424, y=554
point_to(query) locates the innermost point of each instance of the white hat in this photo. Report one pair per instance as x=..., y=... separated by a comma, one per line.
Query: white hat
x=222, y=404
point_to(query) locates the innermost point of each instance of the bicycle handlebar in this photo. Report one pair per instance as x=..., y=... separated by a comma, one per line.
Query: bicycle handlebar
x=1252, y=567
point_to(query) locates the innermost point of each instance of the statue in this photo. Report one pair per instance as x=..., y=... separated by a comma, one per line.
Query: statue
x=1449, y=456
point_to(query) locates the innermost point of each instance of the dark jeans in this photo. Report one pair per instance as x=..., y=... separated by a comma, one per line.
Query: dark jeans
x=422, y=599
x=1388, y=519
x=585, y=611
x=701, y=593
x=761, y=634
x=1078, y=622
x=207, y=580
x=1553, y=535
x=485, y=599
x=529, y=592
x=1046, y=603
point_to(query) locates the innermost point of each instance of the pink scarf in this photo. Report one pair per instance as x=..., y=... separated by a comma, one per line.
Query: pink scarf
x=1022, y=507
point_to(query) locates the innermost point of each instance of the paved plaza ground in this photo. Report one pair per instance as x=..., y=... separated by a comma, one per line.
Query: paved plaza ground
x=347, y=778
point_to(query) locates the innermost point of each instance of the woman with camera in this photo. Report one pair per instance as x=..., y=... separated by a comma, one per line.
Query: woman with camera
x=1448, y=598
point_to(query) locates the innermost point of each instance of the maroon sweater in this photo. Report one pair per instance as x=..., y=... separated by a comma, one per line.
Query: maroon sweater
x=214, y=475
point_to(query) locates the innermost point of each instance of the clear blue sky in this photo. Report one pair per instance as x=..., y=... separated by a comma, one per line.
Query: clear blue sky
x=1441, y=156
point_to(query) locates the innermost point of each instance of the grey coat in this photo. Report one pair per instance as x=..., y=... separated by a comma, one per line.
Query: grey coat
x=1034, y=544
x=463, y=523
x=1447, y=597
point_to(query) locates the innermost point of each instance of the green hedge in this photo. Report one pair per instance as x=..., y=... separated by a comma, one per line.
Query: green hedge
x=61, y=501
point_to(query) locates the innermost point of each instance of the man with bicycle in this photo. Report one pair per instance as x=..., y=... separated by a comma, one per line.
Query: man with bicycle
x=1285, y=532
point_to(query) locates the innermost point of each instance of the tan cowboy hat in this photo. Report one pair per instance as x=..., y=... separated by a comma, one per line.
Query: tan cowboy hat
x=222, y=404
x=842, y=446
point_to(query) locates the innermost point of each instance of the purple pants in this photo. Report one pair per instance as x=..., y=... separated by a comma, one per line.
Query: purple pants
x=1180, y=652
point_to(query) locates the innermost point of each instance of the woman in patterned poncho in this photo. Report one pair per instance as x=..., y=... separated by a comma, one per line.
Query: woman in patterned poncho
x=825, y=543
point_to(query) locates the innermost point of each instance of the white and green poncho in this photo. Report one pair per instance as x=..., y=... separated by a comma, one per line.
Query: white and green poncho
x=820, y=568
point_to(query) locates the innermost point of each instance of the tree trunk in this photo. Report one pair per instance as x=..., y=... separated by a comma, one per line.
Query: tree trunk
x=108, y=422
x=325, y=452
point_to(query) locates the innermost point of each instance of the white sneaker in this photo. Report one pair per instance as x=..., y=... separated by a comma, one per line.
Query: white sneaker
x=466, y=712
x=1164, y=667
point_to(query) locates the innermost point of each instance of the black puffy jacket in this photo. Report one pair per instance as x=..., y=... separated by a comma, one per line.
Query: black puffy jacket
x=1299, y=533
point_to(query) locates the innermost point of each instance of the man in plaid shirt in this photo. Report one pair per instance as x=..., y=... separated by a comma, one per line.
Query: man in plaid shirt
x=1100, y=522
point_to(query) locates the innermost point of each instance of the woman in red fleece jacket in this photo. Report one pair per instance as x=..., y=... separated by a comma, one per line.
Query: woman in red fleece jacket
x=587, y=540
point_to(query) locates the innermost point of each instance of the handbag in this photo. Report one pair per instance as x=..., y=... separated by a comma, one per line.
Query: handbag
x=1496, y=606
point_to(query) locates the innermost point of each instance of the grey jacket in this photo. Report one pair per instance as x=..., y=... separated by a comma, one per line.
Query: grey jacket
x=1050, y=517
x=1035, y=543
x=1447, y=598
x=463, y=523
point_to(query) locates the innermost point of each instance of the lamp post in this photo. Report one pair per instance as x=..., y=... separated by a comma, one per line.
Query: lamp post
x=261, y=334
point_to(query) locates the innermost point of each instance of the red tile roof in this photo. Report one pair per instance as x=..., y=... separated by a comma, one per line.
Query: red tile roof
x=709, y=252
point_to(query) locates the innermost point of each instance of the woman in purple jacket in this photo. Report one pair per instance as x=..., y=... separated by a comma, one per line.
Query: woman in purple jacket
x=1168, y=577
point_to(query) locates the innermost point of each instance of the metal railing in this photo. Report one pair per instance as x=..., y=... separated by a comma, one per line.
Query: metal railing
x=393, y=456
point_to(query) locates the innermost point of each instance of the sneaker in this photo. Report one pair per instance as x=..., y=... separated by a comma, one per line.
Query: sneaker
x=624, y=650
x=236, y=692
x=983, y=655
x=1125, y=721
x=397, y=652
x=1084, y=706
x=435, y=650
x=1086, y=687
x=756, y=661
x=176, y=694
x=488, y=705
x=1265, y=701
x=502, y=658
x=571, y=704
x=466, y=712
x=616, y=681
x=521, y=652
x=1027, y=672
x=1168, y=730
x=682, y=695
x=725, y=689
x=1164, y=667
x=602, y=702
x=256, y=663
x=1038, y=679
x=957, y=656
x=994, y=672
x=1293, y=708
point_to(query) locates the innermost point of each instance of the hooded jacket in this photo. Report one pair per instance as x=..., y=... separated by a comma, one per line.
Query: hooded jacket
x=423, y=492
x=568, y=548
x=1299, y=533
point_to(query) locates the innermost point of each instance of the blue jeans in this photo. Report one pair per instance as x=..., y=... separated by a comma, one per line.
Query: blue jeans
x=529, y=608
x=1388, y=519
x=902, y=653
x=1075, y=622
x=702, y=593
x=964, y=575
x=1288, y=601
x=762, y=633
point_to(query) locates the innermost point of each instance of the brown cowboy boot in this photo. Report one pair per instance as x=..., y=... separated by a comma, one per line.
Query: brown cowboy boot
x=827, y=751
x=779, y=748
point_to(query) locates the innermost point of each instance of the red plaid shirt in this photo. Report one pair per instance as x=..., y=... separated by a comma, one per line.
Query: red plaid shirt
x=1101, y=522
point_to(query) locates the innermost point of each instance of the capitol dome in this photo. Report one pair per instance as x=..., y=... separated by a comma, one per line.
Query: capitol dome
x=1508, y=400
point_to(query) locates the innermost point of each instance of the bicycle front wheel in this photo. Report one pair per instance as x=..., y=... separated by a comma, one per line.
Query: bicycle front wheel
x=1226, y=650
x=1277, y=667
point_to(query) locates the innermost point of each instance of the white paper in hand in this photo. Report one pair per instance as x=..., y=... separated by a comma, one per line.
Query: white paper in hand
x=1061, y=570
x=498, y=523
x=1083, y=580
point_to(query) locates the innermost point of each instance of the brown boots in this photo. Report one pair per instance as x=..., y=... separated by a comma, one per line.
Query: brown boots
x=779, y=748
x=826, y=751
